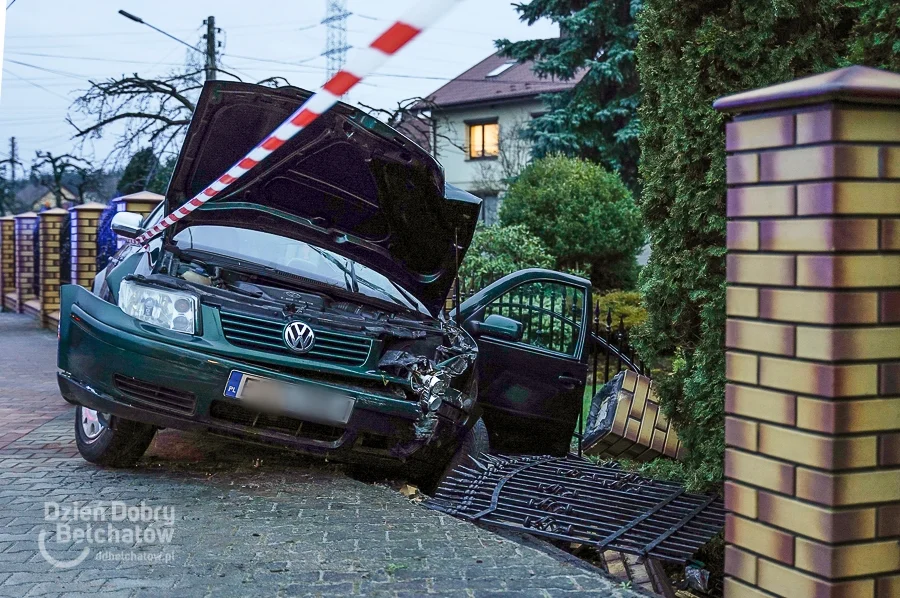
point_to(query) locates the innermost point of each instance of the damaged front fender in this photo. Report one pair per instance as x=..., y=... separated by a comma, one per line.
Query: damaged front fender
x=444, y=384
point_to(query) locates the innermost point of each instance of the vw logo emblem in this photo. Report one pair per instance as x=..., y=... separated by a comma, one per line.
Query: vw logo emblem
x=299, y=337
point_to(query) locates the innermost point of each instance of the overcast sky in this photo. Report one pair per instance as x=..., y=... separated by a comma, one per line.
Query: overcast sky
x=54, y=46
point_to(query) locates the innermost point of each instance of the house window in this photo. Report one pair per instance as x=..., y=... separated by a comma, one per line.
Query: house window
x=484, y=140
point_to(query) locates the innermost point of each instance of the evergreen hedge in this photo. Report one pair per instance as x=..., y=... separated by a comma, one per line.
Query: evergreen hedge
x=689, y=54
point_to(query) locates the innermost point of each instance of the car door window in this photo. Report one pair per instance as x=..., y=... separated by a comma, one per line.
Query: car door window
x=551, y=314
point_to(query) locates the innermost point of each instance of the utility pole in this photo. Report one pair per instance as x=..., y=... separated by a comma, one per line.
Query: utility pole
x=211, y=47
x=13, y=160
x=8, y=192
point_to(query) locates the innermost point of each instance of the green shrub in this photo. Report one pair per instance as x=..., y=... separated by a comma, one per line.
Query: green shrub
x=499, y=250
x=624, y=304
x=583, y=214
x=689, y=54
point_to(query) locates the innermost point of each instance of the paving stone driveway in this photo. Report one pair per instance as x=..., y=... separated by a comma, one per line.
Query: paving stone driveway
x=247, y=520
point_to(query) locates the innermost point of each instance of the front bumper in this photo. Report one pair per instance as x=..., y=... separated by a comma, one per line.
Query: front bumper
x=105, y=355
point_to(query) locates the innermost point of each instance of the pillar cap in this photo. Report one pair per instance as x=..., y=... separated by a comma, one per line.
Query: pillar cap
x=141, y=196
x=54, y=212
x=26, y=215
x=6, y=218
x=89, y=206
x=853, y=83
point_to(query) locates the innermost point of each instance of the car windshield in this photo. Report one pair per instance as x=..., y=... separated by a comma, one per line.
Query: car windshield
x=295, y=257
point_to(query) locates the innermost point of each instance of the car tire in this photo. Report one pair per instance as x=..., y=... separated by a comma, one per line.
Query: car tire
x=474, y=443
x=111, y=441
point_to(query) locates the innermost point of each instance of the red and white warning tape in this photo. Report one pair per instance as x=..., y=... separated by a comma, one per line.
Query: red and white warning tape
x=363, y=63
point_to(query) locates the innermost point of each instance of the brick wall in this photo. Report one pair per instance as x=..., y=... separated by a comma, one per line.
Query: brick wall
x=813, y=338
x=24, y=240
x=51, y=222
x=7, y=261
x=85, y=219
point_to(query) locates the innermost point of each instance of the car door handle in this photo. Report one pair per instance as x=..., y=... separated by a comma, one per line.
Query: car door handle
x=570, y=382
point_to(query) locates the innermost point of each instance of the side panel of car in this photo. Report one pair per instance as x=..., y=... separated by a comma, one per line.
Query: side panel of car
x=531, y=388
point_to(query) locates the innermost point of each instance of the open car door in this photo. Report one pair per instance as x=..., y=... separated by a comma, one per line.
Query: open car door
x=531, y=329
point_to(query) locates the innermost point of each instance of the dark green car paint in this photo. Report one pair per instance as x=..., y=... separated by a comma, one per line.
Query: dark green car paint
x=98, y=341
x=524, y=413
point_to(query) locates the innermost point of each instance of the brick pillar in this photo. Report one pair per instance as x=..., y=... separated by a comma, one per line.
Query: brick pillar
x=7, y=261
x=141, y=203
x=85, y=219
x=50, y=223
x=813, y=338
x=24, y=234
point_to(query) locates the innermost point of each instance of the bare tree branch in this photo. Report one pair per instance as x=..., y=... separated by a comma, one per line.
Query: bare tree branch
x=415, y=117
x=148, y=109
x=142, y=111
x=49, y=170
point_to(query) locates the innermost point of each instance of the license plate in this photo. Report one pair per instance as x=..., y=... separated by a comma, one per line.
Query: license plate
x=291, y=399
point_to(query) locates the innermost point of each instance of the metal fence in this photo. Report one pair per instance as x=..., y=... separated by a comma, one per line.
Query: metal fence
x=551, y=315
x=612, y=349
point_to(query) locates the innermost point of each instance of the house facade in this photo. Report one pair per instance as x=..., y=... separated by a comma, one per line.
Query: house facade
x=477, y=119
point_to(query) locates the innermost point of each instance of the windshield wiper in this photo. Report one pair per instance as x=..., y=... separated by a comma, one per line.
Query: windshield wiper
x=351, y=272
x=353, y=284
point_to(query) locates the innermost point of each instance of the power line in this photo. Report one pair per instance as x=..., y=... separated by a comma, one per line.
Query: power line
x=10, y=4
x=95, y=34
x=32, y=83
x=51, y=71
x=533, y=85
x=91, y=58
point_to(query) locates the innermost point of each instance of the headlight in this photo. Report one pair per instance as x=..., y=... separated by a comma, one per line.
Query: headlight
x=430, y=388
x=167, y=309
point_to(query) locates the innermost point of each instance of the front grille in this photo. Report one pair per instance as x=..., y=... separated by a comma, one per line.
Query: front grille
x=236, y=414
x=265, y=335
x=153, y=396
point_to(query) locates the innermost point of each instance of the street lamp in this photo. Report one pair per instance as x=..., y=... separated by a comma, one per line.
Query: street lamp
x=210, y=36
x=138, y=19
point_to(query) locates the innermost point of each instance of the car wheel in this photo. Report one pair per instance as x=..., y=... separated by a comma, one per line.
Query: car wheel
x=473, y=444
x=108, y=440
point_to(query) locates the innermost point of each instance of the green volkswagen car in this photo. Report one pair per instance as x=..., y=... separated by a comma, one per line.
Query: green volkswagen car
x=304, y=307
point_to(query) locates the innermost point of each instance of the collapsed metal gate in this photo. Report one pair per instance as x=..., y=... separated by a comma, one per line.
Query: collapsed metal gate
x=571, y=499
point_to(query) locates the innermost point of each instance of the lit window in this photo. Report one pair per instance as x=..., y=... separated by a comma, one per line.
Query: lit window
x=484, y=140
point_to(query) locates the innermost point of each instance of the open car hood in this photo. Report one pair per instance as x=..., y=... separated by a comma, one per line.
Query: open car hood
x=347, y=183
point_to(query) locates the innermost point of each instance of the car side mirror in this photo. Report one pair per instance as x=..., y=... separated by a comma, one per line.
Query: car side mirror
x=127, y=224
x=499, y=327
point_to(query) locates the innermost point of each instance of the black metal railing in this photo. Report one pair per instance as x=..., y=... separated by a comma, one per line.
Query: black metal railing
x=551, y=315
x=612, y=349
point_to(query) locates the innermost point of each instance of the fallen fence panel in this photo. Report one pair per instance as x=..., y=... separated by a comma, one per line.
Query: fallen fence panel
x=572, y=499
